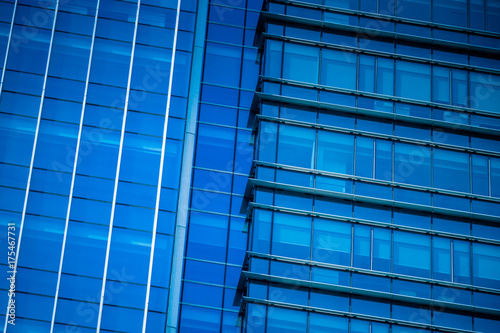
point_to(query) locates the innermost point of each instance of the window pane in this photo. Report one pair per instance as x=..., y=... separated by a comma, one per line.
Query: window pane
x=441, y=85
x=451, y=170
x=364, y=157
x=296, y=146
x=335, y=152
x=382, y=249
x=412, y=164
x=291, y=236
x=338, y=69
x=301, y=63
x=366, y=73
x=441, y=257
x=461, y=261
x=413, y=80
x=385, y=76
x=361, y=256
x=285, y=320
x=412, y=255
x=486, y=265
x=332, y=242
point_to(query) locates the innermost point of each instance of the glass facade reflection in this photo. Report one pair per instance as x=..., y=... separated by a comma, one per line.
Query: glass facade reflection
x=373, y=205
x=251, y=166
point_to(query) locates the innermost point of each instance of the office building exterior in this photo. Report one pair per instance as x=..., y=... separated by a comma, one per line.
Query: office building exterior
x=240, y=166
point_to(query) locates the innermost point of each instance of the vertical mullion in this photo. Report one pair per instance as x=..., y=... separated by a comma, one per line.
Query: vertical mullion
x=160, y=176
x=30, y=173
x=117, y=176
x=8, y=47
x=73, y=176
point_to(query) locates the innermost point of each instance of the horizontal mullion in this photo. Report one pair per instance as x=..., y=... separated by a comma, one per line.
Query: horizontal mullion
x=378, y=181
x=389, y=18
x=375, y=113
x=353, y=49
x=429, y=232
x=376, y=201
x=371, y=272
x=371, y=293
x=380, y=33
x=393, y=138
x=321, y=87
x=352, y=315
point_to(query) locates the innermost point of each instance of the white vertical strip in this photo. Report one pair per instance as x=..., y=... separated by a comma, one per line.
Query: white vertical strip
x=74, y=172
x=8, y=47
x=120, y=150
x=28, y=184
x=160, y=177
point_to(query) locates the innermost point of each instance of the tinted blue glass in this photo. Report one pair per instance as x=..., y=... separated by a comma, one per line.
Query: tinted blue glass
x=412, y=164
x=85, y=250
x=300, y=63
x=110, y=62
x=215, y=147
x=195, y=319
x=322, y=323
x=420, y=10
x=362, y=246
x=366, y=73
x=364, y=157
x=279, y=320
x=291, y=236
x=451, y=170
x=120, y=318
x=381, y=249
x=296, y=146
x=413, y=80
x=18, y=130
x=486, y=259
x=331, y=242
x=43, y=237
x=412, y=254
x=335, y=152
x=207, y=236
x=338, y=69
x=35, y=46
x=461, y=261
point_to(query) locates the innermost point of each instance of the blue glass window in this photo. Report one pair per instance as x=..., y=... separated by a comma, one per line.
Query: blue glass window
x=296, y=146
x=362, y=246
x=486, y=265
x=461, y=261
x=381, y=249
x=413, y=80
x=222, y=58
x=338, y=69
x=335, y=152
x=332, y=242
x=452, y=12
x=366, y=73
x=301, y=63
x=385, y=76
x=485, y=91
x=207, y=236
x=321, y=323
x=285, y=320
x=451, y=170
x=412, y=164
x=412, y=254
x=292, y=236
x=441, y=85
x=364, y=157
x=441, y=259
